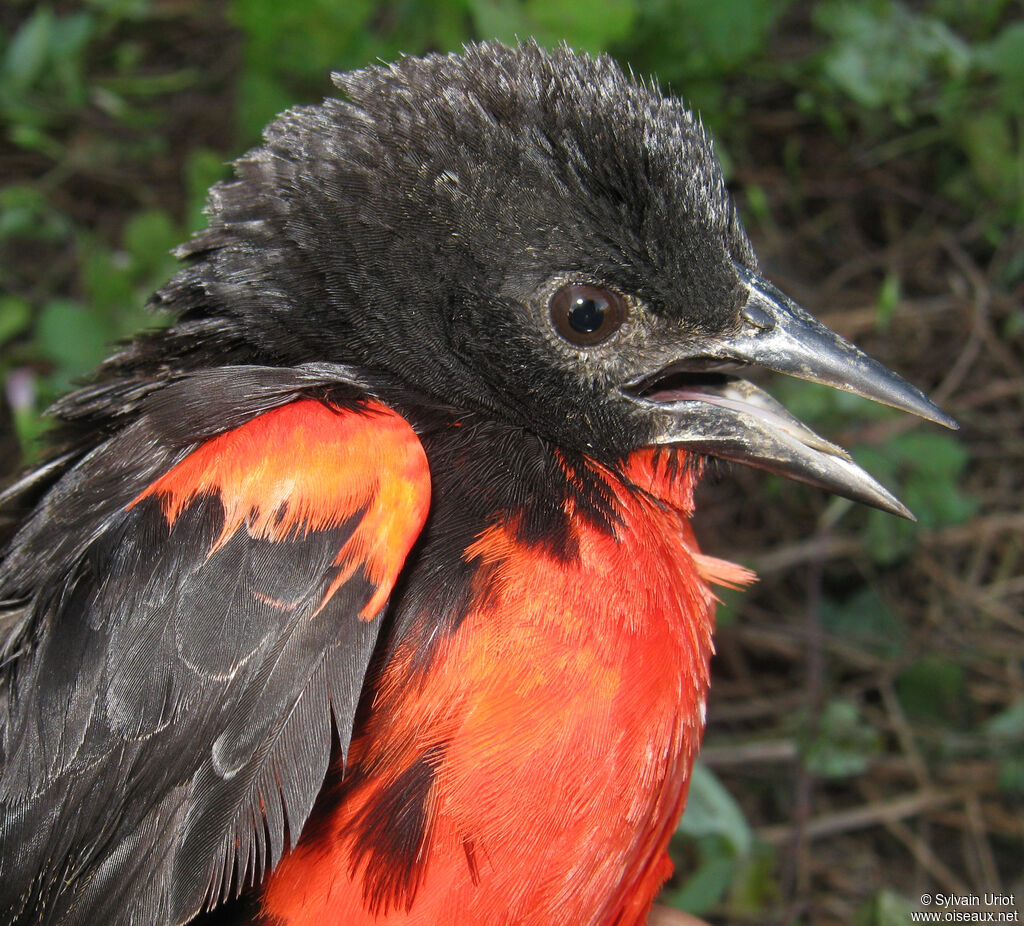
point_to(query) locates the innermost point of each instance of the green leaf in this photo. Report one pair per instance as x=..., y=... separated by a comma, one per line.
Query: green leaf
x=883, y=55
x=34, y=138
x=888, y=301
x=26, y=213
x=15, y=315
x=145, y=85
x=886, y=908
x=591, y=26
x=924, y=469
x=124, y=9
x=889, y=539
x=757, y=205
x=304, y=39
x=29, y=427
x=691, y=45
x=1011, y=773
x=933, y=690
x=118, y=283
x=149, y=237
x=106, y=277
x=716, y=824
x=754, y=887
x=73, y=337
x=707, y=884
x=203, y=168
x=1007, y=724
x=987, y=140
x=722, y=35
x=843, y=744
x=290, y=48
x=1002, y=56
x=504, y=20
x=712, y=811
x=868, y=621
x=824, y=407
x=29, y=50
x=261, y=97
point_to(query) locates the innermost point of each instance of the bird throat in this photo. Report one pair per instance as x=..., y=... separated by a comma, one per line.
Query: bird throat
x=536, y=773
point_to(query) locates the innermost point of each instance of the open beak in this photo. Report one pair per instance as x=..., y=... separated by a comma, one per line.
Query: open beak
x=697, y=403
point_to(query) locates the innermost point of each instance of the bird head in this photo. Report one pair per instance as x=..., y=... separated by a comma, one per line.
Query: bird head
x=535, y=236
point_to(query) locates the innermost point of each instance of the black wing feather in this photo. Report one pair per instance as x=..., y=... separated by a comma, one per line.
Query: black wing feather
x=169, y=723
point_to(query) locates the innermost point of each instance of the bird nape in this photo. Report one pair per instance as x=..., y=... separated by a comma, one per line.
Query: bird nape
x=366, y=592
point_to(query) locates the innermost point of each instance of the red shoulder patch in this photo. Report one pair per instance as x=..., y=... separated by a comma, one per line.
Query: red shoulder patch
x=310, y=466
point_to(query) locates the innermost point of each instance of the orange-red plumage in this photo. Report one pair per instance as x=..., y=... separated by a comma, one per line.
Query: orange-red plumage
x=559, y=723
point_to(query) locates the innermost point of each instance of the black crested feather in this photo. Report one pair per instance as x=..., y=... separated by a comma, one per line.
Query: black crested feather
x=413, y=226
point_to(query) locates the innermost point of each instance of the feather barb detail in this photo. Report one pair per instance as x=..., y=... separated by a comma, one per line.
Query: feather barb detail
x=309, y=466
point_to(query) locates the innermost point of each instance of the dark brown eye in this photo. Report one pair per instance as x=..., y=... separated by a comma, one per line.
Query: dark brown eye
x=586, y=315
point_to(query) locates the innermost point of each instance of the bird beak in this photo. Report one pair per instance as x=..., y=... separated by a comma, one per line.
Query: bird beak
x=695, y=403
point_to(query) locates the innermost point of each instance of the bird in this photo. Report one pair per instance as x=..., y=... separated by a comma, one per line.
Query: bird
x=366, y=589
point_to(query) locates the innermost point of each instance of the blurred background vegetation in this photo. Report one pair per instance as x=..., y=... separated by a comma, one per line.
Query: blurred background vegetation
x=866, y=736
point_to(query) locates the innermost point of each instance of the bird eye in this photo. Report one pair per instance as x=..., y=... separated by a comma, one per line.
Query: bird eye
x=586, y=315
